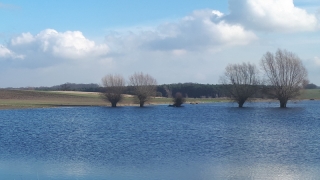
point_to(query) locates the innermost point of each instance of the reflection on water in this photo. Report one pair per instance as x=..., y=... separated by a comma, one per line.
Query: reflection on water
x=208, y=141
x=261, y=171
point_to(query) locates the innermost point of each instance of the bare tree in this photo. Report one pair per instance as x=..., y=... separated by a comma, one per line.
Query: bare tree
x=285, y=73
x=168, y=91
x=144, y=86
x=241, y=81
x=114, y=87
x=178, y=100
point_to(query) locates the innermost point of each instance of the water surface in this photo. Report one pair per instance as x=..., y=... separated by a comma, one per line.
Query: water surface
x=196, y=142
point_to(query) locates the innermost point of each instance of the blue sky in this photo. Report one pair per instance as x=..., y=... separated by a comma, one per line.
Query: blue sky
x=45, y=43
x=94, y=17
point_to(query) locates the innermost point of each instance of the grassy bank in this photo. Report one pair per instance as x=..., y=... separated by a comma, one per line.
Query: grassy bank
x=19, y=99
x=35, y=99
x=310, y=94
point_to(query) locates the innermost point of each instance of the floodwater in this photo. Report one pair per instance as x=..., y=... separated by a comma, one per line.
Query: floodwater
x=195, y=142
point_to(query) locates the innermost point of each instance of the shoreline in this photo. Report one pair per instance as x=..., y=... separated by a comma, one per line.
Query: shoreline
x=106, y=104
x=29, y=99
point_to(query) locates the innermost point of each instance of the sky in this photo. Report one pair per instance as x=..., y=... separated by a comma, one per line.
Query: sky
x=46, y=43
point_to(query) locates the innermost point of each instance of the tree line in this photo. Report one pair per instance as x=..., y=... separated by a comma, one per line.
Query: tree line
x=143, y=86
x=284, y=75
x=281, y=76
x=191, y=90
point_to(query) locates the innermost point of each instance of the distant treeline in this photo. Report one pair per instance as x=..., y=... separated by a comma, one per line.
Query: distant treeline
x=192, y=90
x=189, y=90
x=73, y=87
x=65, y=87
x=311, y=86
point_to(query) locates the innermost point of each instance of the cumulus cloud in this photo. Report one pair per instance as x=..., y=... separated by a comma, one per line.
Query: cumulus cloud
x=5, y=53
x=50, y=47
x=67, y=45
x=271, y=16
x=201, y=30
x=24, y=38
x=51, y=57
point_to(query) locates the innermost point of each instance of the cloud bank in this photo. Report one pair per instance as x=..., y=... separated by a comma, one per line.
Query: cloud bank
x=271, y=16
x=203, y=29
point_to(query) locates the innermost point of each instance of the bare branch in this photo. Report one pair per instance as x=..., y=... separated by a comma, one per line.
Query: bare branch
x=114, y=87
x=144, y=86
x=241, y=81
x=285, y=74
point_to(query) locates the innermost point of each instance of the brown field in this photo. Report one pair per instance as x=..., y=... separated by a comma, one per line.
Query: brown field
x=35, y=99
x=19, y=99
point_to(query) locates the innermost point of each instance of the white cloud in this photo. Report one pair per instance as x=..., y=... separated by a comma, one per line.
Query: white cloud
x=66, y=45
x=201, y=30
x=217, y=13
x=271, y=16
x=5, y=53
x=24, y=38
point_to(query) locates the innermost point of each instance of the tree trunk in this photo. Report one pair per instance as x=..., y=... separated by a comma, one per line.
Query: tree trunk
x=141, y=103
x=241, y=103
x=283, y=103
x=114, y=104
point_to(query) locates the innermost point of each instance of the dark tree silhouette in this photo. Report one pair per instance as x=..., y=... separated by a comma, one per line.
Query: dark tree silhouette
x=241, y=81
x=178, y=100
x=114, y=87
x=144, y=86
x=311, y=86
x=285, y=73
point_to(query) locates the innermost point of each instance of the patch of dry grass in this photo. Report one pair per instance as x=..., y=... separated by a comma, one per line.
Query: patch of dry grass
x=17, y=99
x=33, y=99
x=310, y=94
